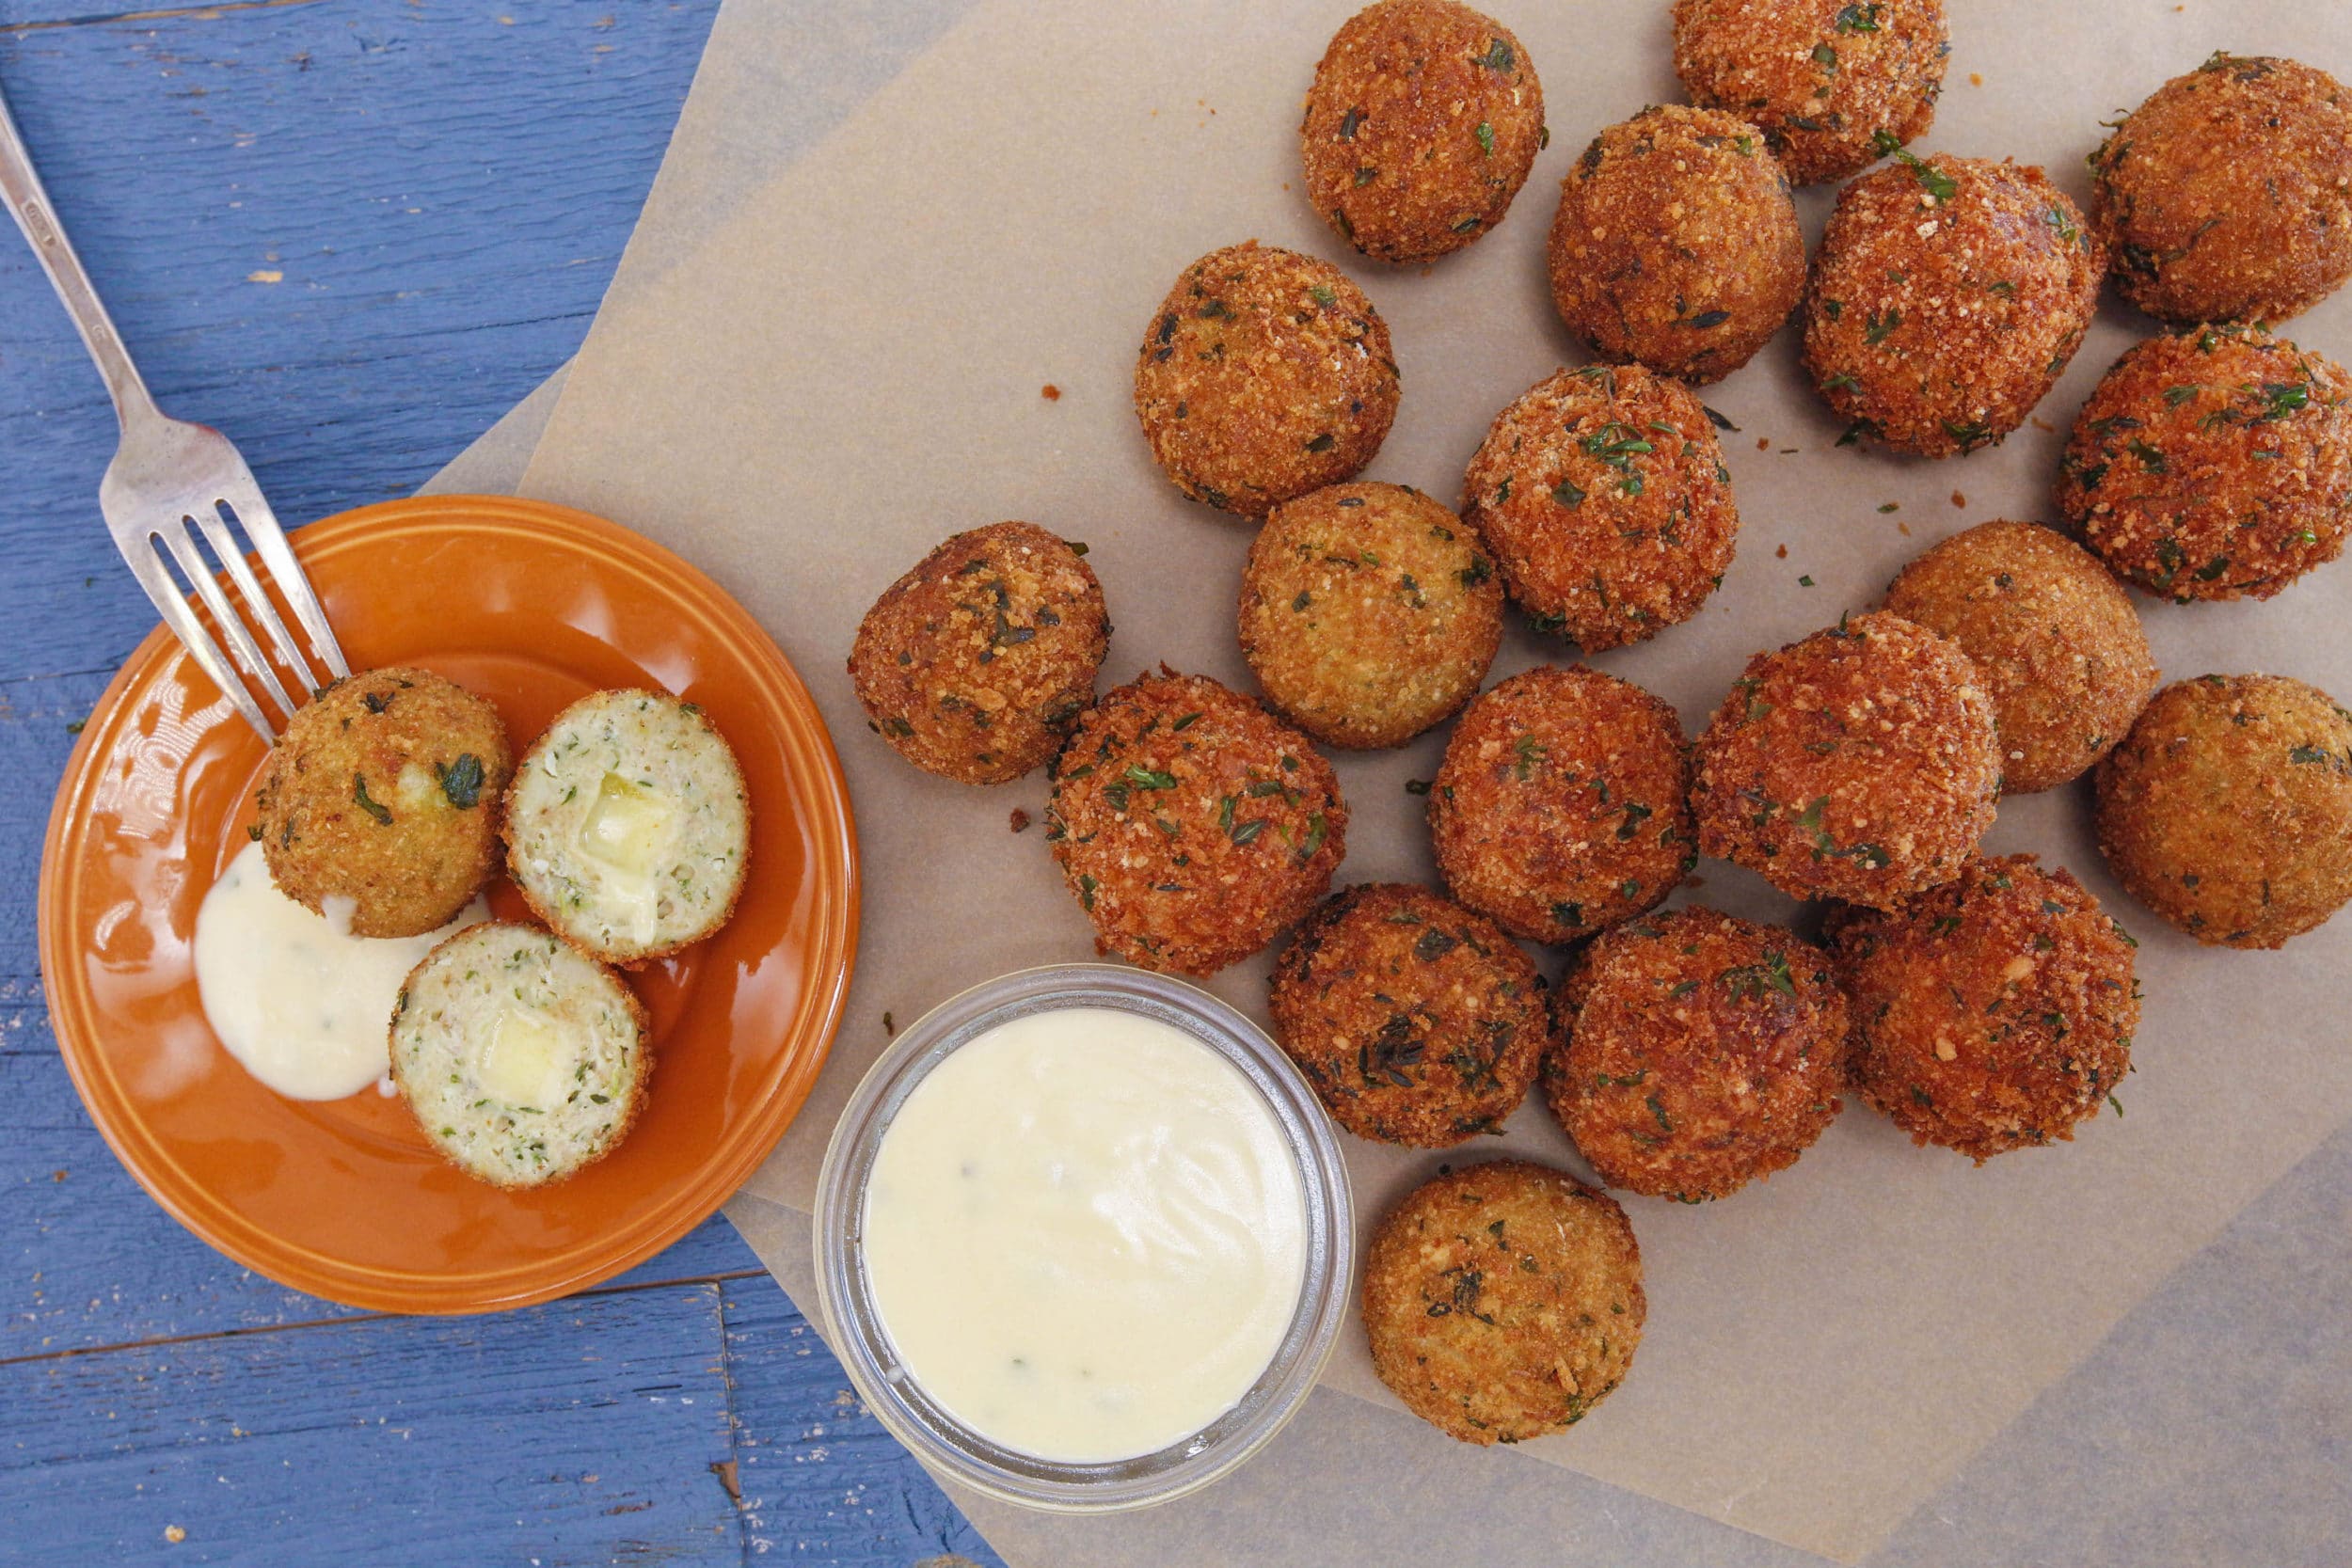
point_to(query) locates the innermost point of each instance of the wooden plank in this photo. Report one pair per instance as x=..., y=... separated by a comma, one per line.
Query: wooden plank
x=579, y=1433
x=440, y=197
x=821, y=1481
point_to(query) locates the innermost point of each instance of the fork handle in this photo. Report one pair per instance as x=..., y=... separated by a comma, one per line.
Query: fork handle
x=19, y=187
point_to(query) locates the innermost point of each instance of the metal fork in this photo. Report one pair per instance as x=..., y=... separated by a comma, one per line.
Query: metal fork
x=172, y=485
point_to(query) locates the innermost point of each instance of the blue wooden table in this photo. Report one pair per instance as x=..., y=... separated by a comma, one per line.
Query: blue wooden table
x=351, y=233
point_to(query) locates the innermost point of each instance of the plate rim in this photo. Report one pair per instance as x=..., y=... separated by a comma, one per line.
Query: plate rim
x=711, y=1181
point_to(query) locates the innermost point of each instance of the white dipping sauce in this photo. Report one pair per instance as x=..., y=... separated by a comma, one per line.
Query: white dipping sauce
x=303, y=1004
x=1084, y=1234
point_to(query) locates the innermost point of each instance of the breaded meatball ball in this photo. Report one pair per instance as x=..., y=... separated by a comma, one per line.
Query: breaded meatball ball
x=382, y=796
x=2216, y=464
x=1264, y=374
x=1606, y=502
x=1859, y=764
x=1990, y=1013
x=2054, y=639
x=1369, y=613
x=1192, y=824
x=2228, y=194
x=2228, y=808
x=1677, y=243
x=1947, y=298
x=975, y=665
x=1422, y=122
x=1697, y=1053
x=1416, y=1020
x=1503, y=1301
x=1562, y=806
x=1824, y=79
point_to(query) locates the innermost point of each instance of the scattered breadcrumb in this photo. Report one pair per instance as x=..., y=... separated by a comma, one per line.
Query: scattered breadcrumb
x=1019, y=820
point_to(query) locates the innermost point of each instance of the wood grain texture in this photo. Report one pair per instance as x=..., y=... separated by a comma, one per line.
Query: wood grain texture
x=351, y=233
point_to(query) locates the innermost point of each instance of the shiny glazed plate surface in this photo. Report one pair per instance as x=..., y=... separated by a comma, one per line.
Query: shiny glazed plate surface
x=531, y=606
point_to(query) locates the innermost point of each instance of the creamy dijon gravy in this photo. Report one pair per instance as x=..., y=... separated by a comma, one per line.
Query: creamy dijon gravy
x=303, y=1004
x=1084, y=1234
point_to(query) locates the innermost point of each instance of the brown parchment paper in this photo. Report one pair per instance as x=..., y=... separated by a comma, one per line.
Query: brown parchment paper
x=848, y=368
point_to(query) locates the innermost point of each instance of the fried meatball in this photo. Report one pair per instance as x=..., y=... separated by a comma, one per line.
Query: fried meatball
x=1947, y=298
x=1503, y=1301
x=2228, y=808
x=1264, y=375
x=1990, y=1013
x=1369, y=613
x=2216, y=464
x=2227, y=196
x=1824, y=79
x=975, y=665
x=1860, y=764
x=1422, y=122
x=1416, y=1020
x=1605, y=500
x=1562, y=806
x=1192, y=824
x=382, y=797
x=1677, y=243
x=1696, y=1053
x=2056, y=642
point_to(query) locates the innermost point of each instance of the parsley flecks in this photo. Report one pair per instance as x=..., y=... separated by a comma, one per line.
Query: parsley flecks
x=461, y=780
x=360, y=793
x=1859, y=19
x=1486, y=138
x=1940, y=187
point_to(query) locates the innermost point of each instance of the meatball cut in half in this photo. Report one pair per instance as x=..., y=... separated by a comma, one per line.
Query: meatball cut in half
x=1697, y=1052
x=522, y=1059
x=1948, y=297
x=1503, y=1301
x=2053, y=638
x=1990, y=1013
x=1192, y=824
x=382, y=799
x=1562, y=806
x=1826, y=80
x=2216, y=464
x=628, y=827
x=1422, y=122
x=1369, y=613
x=2228, y=808
x=1416, y=1020
x=1264, y=374
x=1605, y=500
x=2228, y=193
x=1677, y=243
x=1861, y=763
x=975, y=663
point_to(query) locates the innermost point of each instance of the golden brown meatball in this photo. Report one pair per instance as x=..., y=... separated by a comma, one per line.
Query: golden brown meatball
x=1503, y=1301
x=1422, y=122
x=1562, y=806
x=1369, y=613
x=1192, y=824
x=1264, y=375
x=1824, y=78
x=1990, y=1013
x=1416, y=1020
x=2056, y=642
x=2228, y=194
x=384, y=792
x=2228, y=808
x=1677, y=243
x=1605, y=500
x=975, y=665
x=1697, y=1052
x=1947, y=298
x=1859, y=764
x=2216, y=464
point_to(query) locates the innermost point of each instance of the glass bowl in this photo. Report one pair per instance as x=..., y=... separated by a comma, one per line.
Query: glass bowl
x=954, y=1449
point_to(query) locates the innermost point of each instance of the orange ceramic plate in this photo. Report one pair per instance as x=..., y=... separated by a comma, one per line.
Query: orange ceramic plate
x=531, y=606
